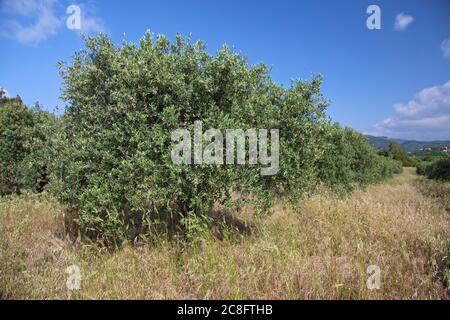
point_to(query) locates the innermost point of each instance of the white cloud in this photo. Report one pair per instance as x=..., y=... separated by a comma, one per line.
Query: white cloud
x=426, y=116
x=32, y=21
x=90, y=23
x=402, y=21
x=22, y=7
x=44, y=21
x=445, y=46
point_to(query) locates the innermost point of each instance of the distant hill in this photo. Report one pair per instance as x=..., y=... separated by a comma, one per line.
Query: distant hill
x=382, y=143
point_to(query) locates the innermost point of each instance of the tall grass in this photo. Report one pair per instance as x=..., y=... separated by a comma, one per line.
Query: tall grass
x=322, y=251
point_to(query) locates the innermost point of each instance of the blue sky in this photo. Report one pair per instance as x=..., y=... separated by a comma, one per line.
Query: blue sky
x=394, y=81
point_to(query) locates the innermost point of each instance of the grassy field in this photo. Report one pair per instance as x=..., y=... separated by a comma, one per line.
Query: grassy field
x=322, y=251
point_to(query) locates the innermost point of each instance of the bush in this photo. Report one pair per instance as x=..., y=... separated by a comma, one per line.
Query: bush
x=349, y=161
x=15, y=126
x=395, y=166
x=113, y=165
x=421, y=167
x=115, y=168
x=439, y=170
x=36, y=165
x=398, y=154
x=24, y=149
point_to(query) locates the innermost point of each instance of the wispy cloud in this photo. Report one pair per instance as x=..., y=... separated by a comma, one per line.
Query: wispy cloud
x=426, y=116
x=32, y=21
x=402, y=21
x=89, y=22
x=41, y=20
x=445, y=46
x=91, y=25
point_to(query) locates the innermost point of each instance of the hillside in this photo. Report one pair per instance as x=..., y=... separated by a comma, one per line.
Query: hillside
x=382, y=143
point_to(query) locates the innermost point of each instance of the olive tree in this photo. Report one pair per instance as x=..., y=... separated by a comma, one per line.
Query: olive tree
x=123, y=103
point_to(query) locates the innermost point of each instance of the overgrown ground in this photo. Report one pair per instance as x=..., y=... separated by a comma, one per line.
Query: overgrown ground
x=323, y=251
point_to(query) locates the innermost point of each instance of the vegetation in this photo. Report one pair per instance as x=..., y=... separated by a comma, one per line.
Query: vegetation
x=25, y=146
x=323, y=252
x=398, y=154
x=434, y=166
x=102, y=174
x=421, y=167
x=15, y=121
x=114, y=168
x=439, y=169
x=108, y=158
x=416, y=148
x=349, y=161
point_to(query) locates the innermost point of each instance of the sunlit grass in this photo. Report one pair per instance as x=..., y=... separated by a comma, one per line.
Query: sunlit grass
x=322, y=251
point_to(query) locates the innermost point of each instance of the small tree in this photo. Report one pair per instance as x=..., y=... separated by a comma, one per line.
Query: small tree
x=350, y=161
x=36, y=165
x=395, y=149
x=24, y=136
x=15, y=124
x=398, y=154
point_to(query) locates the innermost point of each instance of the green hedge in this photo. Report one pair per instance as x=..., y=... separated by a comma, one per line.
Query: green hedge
x=109, y=155
x=350, y=161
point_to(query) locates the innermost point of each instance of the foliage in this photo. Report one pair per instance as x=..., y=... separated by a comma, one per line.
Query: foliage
x=439, y=170
x=417, y=148
x=398, y=154
x=24, y=149
x=349, y=160
x=124, y=103
x=15, y=124
x=289, y=257
x=109, y=155
x=394, y=148
x=36, y=165
x=421, y=167
x=435, y=167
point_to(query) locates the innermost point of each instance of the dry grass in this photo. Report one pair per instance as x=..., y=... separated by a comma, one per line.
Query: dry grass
x=320, y=252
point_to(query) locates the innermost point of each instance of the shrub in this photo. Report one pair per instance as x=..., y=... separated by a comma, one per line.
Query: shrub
x=349, y=161
x=439, y=170
x=396, y=166
x=36, y=165
x=115, y=168
x=24, y=149
x=421, y=167
x=15, y=126
x=113, y=165
x=398, y=154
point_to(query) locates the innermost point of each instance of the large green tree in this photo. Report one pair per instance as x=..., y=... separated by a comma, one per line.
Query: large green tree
x=124, y=102
x=114, y=166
